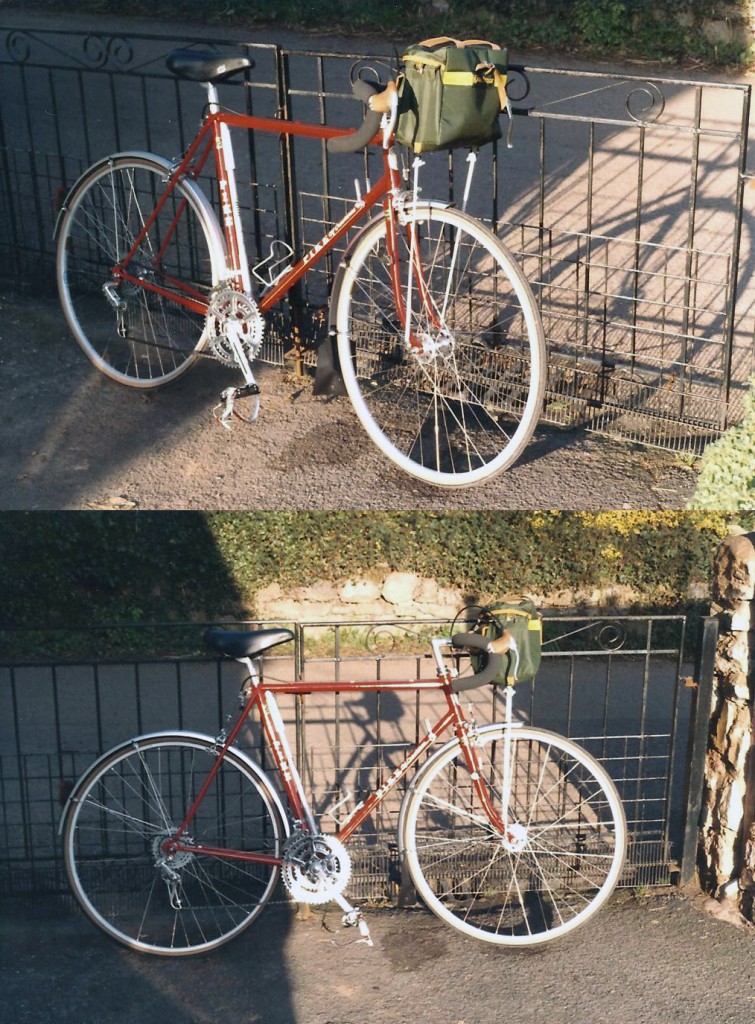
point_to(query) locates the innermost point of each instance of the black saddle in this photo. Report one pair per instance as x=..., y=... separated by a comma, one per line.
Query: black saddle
x=237, y=644
x=205, y=67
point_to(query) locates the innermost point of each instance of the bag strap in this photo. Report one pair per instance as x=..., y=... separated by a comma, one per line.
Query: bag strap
x=478, y=42
x=430, y=44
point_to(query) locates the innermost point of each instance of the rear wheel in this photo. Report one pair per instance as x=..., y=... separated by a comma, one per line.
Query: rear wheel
x=460, y=406
x=132, y=332
x=560, y=860
x=134, y=800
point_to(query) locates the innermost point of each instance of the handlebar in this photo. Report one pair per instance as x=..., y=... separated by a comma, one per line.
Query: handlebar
x=378, y=100
x=487, y=674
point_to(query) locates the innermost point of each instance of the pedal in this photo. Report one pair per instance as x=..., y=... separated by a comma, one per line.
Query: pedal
x=355, y=919
x=226, y=408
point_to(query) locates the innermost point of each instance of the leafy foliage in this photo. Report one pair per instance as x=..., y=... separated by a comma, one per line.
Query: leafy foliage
x=87, y=568
x=727, y=468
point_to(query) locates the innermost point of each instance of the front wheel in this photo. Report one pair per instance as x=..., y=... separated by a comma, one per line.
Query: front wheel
x=559, y=861
x=124, y=810
x=454, y=396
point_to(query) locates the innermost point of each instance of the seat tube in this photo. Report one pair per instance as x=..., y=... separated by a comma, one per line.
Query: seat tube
x=225, y=163
x=275, y=730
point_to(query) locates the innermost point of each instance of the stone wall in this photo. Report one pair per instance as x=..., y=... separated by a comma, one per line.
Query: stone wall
x=406, y=595
x=727, y=844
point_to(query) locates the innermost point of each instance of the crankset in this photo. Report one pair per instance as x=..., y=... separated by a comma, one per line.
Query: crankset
x=316, y=869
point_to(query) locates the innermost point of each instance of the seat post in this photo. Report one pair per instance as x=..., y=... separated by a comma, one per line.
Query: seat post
x=213, y=103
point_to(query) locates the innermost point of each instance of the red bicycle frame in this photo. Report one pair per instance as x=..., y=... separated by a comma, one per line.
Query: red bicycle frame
x=262, y=698
x=212, y=137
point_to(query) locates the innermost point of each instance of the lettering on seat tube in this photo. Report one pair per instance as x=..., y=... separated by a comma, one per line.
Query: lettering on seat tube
x=275, y=730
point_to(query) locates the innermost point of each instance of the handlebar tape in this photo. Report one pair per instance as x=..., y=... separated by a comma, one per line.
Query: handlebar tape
x=487, y=674
x=368, y=128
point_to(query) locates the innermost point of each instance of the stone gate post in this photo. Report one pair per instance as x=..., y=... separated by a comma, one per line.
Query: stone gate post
x=727, y=842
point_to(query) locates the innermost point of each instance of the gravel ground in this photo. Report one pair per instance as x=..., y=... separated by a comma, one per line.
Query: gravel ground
x=71, y=439
x=654, y=960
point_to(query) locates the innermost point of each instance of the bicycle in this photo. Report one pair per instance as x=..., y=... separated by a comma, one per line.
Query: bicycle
x=174, y=842
x=438, y=338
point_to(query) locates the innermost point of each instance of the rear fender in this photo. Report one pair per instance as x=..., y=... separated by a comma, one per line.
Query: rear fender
x=133, y=744
x=187, y=185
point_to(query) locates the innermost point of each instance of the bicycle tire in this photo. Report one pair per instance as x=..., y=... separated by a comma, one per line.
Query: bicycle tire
x=133, y=335
x=463, y=409
x=567, y=851
x=129, y=802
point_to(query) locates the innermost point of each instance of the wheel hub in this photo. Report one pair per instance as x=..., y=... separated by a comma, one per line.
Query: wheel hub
x=433, y=346
x=515, y=839
x=172, y=858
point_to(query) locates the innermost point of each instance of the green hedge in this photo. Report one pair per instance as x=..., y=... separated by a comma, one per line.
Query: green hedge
x=727, y=468
x=671, y=30
x=76, y=568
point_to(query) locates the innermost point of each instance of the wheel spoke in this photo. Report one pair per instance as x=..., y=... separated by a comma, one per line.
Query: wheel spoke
x=119, y=827
x=557, y=863
x=458, y=404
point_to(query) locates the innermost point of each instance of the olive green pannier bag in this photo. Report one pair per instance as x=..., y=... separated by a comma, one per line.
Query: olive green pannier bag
x=524, y=623
x=451, y=94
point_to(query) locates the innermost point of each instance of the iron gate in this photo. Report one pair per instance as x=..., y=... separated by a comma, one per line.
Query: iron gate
x=624, y=198
x=619, y=685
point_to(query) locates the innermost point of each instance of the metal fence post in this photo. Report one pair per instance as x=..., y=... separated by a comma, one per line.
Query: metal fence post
x=8, y=202
x=290, y=193
x=698, y=744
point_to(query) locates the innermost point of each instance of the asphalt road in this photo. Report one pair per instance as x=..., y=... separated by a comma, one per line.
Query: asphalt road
x=71, y=439
x=642, y=960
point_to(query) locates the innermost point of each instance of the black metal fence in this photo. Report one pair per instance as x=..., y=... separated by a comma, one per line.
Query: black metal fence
x=624, y=198
x=620, y=685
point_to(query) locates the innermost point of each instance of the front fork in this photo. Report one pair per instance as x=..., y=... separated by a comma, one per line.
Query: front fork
x=398, y=213
x=512, y=834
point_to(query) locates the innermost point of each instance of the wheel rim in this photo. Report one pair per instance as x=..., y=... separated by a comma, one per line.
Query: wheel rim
x=122, y=825
x=556, y=866
x=129, y=332
x=463, y=408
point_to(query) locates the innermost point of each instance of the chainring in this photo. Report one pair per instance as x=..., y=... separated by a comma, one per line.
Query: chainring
x=229, y=306
x=316, y=869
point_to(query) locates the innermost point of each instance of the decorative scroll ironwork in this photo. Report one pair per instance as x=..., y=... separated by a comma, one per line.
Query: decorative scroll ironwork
x=607, y=634
x=97, y=51
x=653, y=106
x=383, y=638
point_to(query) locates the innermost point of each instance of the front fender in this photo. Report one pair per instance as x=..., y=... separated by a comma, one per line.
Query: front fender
x=328, y=378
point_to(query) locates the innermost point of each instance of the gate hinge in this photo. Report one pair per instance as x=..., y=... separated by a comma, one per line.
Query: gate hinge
x=689, y=682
